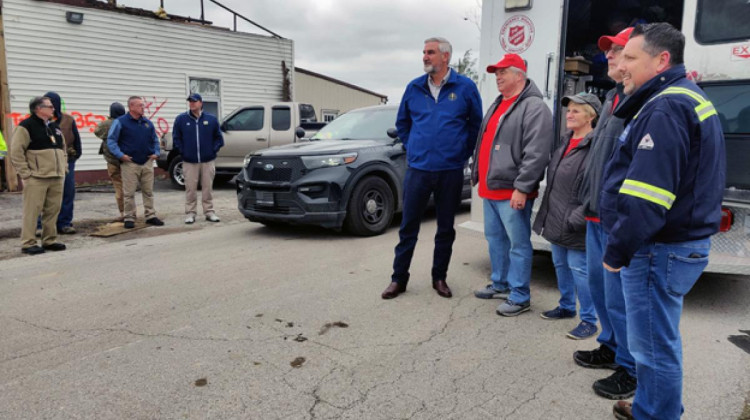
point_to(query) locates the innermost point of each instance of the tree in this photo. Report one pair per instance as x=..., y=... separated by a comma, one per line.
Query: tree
x=467, y=66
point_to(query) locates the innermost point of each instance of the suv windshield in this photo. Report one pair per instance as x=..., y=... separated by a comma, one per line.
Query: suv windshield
x=367, y=124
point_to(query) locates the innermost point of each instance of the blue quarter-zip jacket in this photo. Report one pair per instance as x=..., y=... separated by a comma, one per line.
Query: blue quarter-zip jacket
x=439, y=135
x=665, y=179
x=198, y=140
x=135, y=138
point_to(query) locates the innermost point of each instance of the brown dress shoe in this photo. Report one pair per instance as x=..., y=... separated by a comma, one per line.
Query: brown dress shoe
x=623, y=410
x=394, y=289
x=442, y=288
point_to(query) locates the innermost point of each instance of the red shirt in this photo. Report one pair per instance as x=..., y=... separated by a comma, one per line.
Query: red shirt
x=572, y=145
x=485, y=152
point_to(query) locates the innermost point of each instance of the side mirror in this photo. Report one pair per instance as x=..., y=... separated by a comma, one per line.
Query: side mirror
x=223, y=126
x=392, y=133
x=299, y=132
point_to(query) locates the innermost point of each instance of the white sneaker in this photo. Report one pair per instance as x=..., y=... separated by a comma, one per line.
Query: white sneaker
x=212, y=218
x=190, y=219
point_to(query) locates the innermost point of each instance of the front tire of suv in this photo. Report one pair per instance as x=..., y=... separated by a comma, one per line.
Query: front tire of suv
x=370, y=208
x=176, y=175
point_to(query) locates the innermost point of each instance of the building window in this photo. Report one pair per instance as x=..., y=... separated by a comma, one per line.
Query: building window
x=329, y=114
x=210, y=91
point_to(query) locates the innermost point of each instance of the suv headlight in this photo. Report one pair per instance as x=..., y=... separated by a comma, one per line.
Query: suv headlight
x=328, y=161
x=248, y=157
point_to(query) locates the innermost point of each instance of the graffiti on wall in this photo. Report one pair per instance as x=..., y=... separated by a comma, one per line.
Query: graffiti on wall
x=89, y=120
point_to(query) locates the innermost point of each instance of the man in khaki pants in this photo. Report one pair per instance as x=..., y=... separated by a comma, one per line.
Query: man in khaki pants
x=116, y=110
x=197, y=136
x=132, y=139
x=38, y=155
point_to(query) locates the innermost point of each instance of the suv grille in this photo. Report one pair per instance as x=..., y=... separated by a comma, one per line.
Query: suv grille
x=274, y=169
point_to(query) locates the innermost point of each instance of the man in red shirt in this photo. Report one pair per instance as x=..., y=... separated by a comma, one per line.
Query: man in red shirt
x=512, y=152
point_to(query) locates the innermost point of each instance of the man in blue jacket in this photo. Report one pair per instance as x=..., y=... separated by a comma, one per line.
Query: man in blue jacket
x=132, y=139
x=197, y=136
x=660, y=203
x=437, y=122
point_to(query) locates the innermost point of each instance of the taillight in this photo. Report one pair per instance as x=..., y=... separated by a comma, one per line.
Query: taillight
x=727, y=218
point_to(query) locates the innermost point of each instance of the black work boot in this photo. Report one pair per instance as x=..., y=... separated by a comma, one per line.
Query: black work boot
x=601, y=358
x=618, y=386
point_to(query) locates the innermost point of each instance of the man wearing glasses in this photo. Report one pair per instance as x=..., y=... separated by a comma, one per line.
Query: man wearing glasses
x=132, y=139
x=37, y=152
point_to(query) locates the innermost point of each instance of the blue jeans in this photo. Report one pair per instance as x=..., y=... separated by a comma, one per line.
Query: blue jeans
x=655, y=283
x=445, y=187
x=508, y=233
x=570, y=267
x=608, y=299
x=65, y=218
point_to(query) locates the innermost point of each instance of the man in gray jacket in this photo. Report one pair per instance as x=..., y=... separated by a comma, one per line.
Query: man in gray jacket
x=512, y=152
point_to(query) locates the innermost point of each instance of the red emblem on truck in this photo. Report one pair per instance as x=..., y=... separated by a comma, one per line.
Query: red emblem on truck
x=517, y=34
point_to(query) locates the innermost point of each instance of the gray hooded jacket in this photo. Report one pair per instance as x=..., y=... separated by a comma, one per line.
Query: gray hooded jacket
x=522, y=143
x=607, y=130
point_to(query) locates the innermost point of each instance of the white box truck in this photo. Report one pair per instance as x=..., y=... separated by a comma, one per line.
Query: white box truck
x=717, y=57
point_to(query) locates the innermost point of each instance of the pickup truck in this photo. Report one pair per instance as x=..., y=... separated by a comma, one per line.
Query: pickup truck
x=247, y=129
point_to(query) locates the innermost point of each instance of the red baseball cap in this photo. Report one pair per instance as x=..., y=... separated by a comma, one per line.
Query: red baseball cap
x=606, y=41
x=508, y=60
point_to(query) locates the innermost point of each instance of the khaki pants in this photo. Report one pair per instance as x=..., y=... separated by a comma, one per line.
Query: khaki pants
x=134, y=175
x=116, y=176
x=41, y=195
x=193, y=172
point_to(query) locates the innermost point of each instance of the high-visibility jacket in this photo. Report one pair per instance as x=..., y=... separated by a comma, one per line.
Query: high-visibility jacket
x=665, y=179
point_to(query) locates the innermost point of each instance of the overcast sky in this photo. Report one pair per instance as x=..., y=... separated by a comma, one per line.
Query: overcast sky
x=376, y=45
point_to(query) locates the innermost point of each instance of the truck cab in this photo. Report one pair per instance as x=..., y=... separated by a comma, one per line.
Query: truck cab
x=558, y=40
x=247, y=129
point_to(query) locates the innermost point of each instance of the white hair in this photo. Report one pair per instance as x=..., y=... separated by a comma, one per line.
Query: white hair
x=443, y=45
x=518, y=71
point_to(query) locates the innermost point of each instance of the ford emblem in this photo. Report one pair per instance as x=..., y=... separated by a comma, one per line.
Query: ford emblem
x=268, y=167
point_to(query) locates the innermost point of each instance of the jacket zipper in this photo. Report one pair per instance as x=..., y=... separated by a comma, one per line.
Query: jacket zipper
x=197, y=140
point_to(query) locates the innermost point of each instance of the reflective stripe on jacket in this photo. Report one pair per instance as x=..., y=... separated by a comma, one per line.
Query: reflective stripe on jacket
x=665, y=180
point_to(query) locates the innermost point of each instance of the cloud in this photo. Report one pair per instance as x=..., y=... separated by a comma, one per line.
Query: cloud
x=375, y=45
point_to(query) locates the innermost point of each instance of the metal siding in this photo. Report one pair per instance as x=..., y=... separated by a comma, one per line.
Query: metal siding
x=324, y=94
x=112, y=56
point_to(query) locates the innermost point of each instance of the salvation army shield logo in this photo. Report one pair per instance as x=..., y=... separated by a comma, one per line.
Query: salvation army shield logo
x=517, y=34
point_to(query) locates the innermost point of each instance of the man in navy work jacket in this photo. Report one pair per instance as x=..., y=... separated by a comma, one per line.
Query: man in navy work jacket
x=660, y=203
x=132, y=139
x=438, y=122
x=197, y=136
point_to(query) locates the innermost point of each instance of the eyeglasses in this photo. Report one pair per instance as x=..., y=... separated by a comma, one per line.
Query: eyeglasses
x=615, y=49
x=46, y=106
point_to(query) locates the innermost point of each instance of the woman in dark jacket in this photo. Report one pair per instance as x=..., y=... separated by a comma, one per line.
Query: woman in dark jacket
x=561, y=220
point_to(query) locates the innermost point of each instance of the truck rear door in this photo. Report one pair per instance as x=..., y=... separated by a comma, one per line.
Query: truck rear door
x=245, y=131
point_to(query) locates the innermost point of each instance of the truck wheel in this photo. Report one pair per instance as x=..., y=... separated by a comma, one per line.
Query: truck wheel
x=175, y=172
x=370, y=208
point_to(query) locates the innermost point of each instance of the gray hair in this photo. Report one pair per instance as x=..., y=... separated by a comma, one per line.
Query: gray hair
x=443, y=45
x=518, y=71
x=36, y=102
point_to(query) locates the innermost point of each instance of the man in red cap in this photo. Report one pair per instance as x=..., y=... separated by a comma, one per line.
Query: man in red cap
x=512, y=152
x=606, y=288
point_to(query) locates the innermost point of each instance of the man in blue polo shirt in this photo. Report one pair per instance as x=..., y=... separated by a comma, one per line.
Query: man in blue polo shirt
x=132, y=139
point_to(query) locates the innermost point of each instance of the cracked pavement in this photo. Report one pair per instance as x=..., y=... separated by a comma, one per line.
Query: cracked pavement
x=123, y=328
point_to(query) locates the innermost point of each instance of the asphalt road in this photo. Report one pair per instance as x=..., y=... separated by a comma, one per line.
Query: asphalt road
x=238, y=321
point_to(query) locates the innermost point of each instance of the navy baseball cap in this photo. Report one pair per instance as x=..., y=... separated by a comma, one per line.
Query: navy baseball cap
x=194, y=97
